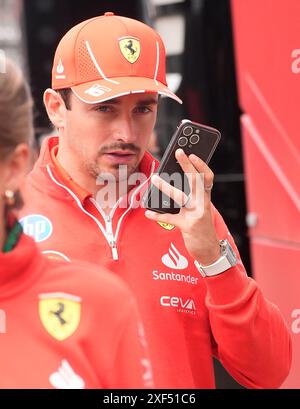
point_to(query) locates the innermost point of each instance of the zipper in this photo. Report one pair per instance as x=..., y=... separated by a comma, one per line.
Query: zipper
x=134, y=193
x=111, y=238
x=108, y=231
x=109, y=234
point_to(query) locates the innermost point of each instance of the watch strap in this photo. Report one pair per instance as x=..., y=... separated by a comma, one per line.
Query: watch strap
x=218, y=267
x=227, y=260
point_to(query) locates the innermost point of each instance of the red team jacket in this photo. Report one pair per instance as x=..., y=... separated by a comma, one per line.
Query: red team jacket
x=187, y=319
x=66, y=326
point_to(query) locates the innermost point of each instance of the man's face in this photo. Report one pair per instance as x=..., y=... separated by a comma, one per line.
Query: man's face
x=104, y=136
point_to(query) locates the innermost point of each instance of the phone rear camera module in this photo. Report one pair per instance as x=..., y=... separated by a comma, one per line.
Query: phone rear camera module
x=182, y=141
x=194, y=139
x=188, y=130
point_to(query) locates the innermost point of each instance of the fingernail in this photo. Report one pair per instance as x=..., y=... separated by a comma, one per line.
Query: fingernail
x=180, y=151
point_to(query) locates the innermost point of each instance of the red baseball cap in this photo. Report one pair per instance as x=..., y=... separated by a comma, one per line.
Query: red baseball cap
x=110, y=56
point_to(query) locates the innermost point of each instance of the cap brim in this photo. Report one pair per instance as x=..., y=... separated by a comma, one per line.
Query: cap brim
x=102, y=90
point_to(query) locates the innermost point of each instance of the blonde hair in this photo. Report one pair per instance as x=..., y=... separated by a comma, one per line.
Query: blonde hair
x=16, y=118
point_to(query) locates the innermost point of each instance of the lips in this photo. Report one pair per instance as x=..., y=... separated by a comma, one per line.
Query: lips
x=120, y=153
x=120, y=156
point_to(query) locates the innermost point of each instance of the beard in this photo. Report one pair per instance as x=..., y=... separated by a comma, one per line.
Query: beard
x=113, y=172
x=114, y=180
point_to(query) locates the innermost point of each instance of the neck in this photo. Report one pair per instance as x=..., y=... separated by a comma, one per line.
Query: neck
x=75, y=172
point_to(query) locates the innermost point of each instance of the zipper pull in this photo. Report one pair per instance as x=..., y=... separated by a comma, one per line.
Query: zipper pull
x=114, y=250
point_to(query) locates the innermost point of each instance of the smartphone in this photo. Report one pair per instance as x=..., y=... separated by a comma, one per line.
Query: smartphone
x=194, y=138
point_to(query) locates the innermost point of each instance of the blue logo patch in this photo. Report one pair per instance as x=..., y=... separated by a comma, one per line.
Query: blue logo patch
x=37, y=227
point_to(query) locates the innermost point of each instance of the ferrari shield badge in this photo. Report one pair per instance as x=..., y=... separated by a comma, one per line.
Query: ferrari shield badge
x=166, y=226
x=60, y=314
x=130, y=48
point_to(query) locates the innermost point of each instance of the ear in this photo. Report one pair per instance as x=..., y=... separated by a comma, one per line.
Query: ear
x=55, y=108
x=16, y=167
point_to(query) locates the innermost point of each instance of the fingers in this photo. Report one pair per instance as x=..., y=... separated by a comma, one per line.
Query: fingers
x=199, y=175
x=203, y=168
x=187, y=167
x=176, y=194
x=184, y=162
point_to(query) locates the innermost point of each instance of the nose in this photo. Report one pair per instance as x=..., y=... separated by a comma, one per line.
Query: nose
x=123, y=130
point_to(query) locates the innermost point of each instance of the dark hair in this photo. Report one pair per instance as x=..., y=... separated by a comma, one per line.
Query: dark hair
x=65, y=93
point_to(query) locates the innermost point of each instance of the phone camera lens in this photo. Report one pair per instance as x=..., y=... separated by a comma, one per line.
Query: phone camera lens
x=194, y=139
x=182, y=141
x=188, y=130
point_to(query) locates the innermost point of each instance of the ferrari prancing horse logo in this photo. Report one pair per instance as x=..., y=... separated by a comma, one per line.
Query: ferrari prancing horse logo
x=60, y=314
x=130, y=48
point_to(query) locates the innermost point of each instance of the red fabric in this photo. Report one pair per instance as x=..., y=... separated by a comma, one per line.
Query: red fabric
x=187, y=318
x=103, y=352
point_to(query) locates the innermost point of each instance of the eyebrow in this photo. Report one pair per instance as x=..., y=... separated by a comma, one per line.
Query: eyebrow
x=116, y=101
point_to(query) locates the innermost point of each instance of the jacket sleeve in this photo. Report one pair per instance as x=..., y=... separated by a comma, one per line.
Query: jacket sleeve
x=251, y=338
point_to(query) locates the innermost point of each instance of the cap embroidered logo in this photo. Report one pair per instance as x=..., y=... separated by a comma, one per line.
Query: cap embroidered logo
x=60, y=69
x=96, y=90
x=130, y=48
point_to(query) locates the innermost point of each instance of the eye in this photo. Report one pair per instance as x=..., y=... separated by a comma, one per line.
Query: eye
x=142, y=109
x=104, y=108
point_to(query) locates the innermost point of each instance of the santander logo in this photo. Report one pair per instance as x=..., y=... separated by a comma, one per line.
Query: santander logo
x=173, y=259
x=66, y=378
x=60, y=68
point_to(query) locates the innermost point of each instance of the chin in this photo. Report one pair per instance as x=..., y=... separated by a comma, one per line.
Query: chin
x=114, y=172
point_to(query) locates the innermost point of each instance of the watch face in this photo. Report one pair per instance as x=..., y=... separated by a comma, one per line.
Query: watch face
x=228, y=259
x=228, y=251
x=224, y=246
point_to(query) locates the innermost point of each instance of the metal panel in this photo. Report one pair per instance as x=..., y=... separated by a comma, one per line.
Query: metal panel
x=276, y=268
x=267, y=47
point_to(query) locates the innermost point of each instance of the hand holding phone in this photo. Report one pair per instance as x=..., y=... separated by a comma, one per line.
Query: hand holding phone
x=192, y=137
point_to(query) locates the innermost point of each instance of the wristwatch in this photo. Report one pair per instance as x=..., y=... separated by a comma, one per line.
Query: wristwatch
x=227, y=260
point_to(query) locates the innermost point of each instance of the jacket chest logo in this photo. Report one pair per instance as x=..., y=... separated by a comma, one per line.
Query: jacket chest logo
x=37, y=226
x=60, y=314
x=173, y=259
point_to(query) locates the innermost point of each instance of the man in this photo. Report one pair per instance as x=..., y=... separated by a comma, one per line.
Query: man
x=78, y=207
